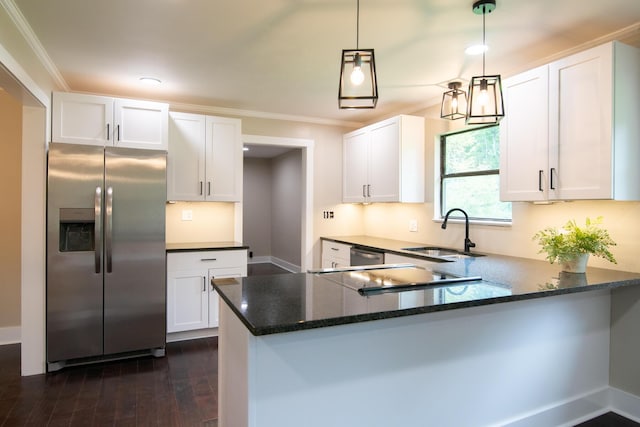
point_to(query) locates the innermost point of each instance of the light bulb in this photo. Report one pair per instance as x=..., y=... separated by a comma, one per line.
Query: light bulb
x=454, y=103
x=483, y=99
x=357, y=76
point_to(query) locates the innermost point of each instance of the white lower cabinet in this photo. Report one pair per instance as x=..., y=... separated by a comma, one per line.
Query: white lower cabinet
x=192, y=303
x=335, y=255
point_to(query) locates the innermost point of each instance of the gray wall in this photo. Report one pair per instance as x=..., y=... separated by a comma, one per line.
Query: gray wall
x=256, y=212
x=286, y=210
x=272, y=206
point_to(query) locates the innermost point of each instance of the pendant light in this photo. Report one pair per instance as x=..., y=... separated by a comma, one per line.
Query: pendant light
x=358, y=85
x=454, y=102
x=485, y=92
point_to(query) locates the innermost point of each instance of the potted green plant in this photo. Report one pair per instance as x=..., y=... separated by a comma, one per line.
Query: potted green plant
x=572, y=244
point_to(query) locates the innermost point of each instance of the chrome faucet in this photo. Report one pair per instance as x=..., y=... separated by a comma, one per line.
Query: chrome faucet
x=468, y=244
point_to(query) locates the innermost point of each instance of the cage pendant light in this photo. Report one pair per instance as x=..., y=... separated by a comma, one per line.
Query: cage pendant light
x=454, y=102
x=485, y=104
x=358, y=84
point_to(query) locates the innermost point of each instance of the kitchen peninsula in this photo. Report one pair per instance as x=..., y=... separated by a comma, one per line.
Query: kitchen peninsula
x=524, y=346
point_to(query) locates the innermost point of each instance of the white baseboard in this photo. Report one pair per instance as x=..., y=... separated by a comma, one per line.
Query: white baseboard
x=625, y=404
x=582, y=408
x=192, y=335
x=277, y=261
x=10, y=335
x=259, y=260
x=286, y=265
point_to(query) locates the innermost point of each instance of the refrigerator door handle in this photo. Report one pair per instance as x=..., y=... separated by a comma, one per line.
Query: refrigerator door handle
x=108, y=227
x=97, y=228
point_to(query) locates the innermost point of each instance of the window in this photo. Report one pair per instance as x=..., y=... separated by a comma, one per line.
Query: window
x=469, y=174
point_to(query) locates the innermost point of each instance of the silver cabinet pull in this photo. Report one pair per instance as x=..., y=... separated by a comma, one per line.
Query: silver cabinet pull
x=204, y=284
x=209, y=188
x=201, y=187
x=208, y=259
x=368, y=190
x=551, y=172
x=118, y=131
x=97, y=228
x=108, y=131
x=108, y=228
x=335, y=249
x=363, y=191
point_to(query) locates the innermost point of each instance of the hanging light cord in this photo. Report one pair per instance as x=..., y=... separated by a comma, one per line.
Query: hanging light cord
x=484, y=43
x=358, y=24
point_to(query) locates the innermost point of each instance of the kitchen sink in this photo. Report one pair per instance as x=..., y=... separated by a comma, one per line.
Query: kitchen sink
x=441, y=253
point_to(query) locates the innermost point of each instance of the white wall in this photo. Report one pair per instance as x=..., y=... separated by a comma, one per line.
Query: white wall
x=286, y=209
x=211, y=222
x=257, y=206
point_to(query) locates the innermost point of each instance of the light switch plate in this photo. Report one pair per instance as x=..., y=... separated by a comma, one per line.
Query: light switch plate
x=413, y=225
x=187, y=215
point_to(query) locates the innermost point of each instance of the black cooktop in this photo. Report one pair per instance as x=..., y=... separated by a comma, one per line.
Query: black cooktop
x=395, y=279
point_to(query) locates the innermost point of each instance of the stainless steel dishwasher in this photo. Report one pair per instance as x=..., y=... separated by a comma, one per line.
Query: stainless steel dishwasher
x=366, y=257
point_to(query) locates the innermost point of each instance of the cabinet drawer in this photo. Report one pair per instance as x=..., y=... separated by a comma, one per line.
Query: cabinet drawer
x=206, y=259
x=336, y=250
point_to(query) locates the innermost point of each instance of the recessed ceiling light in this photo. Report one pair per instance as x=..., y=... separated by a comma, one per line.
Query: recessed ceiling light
x=476, y=49
x=151, y=81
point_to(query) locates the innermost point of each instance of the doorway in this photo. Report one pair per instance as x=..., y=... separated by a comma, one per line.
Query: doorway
x=277, y=201
x=33, y=102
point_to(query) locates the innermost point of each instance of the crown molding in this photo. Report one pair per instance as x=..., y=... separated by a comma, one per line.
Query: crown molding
x=192, y=108
x=27, y=32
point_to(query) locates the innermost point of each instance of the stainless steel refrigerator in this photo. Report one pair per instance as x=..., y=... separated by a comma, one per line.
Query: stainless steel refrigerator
x=106, y=274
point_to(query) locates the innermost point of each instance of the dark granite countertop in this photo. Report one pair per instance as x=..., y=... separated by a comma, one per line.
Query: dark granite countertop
x=204, y=246
x=291, y=302
x=388, y=245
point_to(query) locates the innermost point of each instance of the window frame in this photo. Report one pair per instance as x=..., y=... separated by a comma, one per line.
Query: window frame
x=439, y=214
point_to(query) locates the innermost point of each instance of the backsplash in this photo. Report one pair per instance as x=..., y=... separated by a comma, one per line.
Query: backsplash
x=210, y=222
x=620, y=219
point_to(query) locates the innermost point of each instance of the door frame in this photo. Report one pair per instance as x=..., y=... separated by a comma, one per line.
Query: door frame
x=306, y=235
x=35, y=134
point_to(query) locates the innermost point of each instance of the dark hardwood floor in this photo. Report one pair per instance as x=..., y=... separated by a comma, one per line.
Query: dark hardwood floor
x=177, y=390
x=266, y=268
x=610, y=419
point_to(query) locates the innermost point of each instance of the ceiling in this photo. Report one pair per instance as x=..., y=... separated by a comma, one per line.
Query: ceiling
x=283, y=56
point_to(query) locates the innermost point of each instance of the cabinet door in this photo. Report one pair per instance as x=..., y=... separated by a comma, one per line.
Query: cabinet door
x=580, y=139
x=335, y=254
x=355, y=163
x=214, y=308
x=524, y=133
x=187, y=300
x=186, y=158
x=384, y=162
x=82, y=119
x=141, y=124
x=223, y=160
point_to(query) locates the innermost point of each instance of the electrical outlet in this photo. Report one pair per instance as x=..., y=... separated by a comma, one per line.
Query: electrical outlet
x=187, y=215
x=413, y=225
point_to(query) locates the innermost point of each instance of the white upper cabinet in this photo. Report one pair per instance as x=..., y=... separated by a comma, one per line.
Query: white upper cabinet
x=205, y=158
x=591, y=143
x=223, y=163
x=141, y=124
x=524, y=134
x=105, y=121
x=185, y=160
x=384, y=162
x=82, y=119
